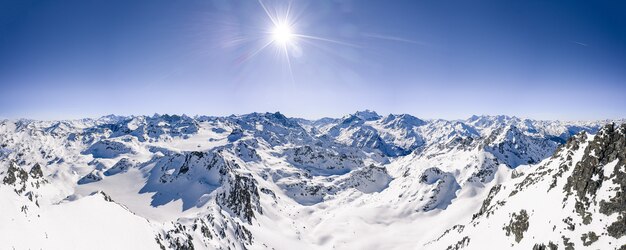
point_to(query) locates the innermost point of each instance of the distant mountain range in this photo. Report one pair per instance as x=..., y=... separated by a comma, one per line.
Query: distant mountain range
x=266, y=181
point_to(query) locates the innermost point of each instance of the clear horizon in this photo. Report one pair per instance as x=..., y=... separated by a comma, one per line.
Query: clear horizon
x=308, y=118
x=557, y=60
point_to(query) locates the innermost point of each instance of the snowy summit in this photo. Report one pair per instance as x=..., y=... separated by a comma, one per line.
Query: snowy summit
x=266, y=181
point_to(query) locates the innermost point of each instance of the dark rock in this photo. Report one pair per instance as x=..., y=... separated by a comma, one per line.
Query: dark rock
x=14, y=175
x=93, y=176
x=588, y=176
x=460, y=244
x=568, y=245
x=550, y=246
x=36, y=172
x=486, y=208
x=589, y=238
x=241, y=197
x=517, y=225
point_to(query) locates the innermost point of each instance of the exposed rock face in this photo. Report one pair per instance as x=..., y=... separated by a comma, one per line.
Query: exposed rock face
x=36, y=172
x=515, y=148
x=15, y=174
x=616, y=150
x=91, y=177
x=120, y=167
x=588, y=176
x=487, y=207
x=234, y=174
x=145, y=128
x=246, y=150
x=517, y=225
x=459, y=245
x=177, y=238
x=241, y=196
x=585, y=175
x=369, y=179
x=550, y=246
x=589, y=238
x=443, y=191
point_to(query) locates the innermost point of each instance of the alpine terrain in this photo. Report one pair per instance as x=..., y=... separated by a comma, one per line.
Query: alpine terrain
x=266, y=181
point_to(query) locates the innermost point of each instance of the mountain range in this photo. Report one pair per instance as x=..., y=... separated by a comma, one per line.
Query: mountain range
x=267, y=181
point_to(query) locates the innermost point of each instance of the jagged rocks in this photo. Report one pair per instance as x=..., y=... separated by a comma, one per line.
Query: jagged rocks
x=550, y=246
x=369, y=179
x=35, y=172
x=211, y=166
x=444, y=190
x=532, y=178
x=220, y=179
x=105, y=196
x=588, y=176
x=517, y=225
x=323, y=161
x=120, y=167
x=243, y=234
x=513, y=147
x=177, y=238
x=589, y=238
x=246, y=150
x=93, y=176
x=308, y=193
x=15, y=174
x=516, y=174
x=460, y=244
x=457, y=228
x=241, y=197
x=567, y=243
x=616, y=150
x=269, y=192
x=487, y=208
x=146, y=128
x=484, y=171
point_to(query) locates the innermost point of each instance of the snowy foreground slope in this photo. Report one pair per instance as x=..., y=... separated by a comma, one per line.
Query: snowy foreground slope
x=265, y=181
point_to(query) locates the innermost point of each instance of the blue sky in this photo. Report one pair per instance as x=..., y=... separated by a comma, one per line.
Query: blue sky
x=431, y=59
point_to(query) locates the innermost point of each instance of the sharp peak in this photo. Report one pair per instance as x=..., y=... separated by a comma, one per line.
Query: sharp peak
x=264, y=114
x=366, y=112
x=365, y=115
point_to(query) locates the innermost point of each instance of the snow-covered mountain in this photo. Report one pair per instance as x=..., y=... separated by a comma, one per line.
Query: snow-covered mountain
x=266, y=181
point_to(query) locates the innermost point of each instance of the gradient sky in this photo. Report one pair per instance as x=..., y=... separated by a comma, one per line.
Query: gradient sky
x=432, y=59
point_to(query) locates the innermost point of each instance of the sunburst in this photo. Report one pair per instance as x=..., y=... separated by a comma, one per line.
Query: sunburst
x=283, y=33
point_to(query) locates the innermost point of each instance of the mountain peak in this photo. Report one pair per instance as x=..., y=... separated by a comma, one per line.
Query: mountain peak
x=402, y=120
x=236, y=182
x=367, y=115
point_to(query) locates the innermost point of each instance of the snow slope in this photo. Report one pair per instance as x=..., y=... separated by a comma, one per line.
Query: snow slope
x=266, y=181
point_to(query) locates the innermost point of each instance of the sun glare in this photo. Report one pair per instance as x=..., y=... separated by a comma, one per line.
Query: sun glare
x=282, y=34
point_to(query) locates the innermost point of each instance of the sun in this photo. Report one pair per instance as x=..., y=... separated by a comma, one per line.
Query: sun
x=282, y=34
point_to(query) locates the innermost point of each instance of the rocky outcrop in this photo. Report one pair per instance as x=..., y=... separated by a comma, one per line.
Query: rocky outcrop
x=121, y=166
x=15, y=175
x=517, y=225
x=487, y=207
x=588, y=176
x=511, y=146
x=444, y=187
x=93, y=176
x=369, y=179
x=36, y=172
x=241, y=196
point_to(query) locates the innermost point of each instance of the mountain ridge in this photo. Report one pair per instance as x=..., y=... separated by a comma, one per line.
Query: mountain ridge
x=250, y=181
